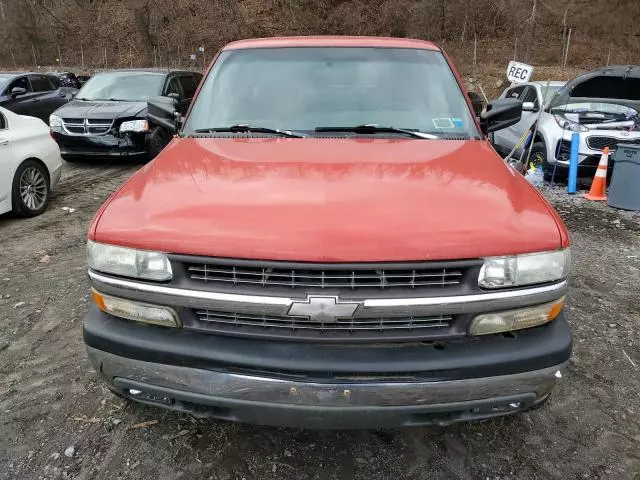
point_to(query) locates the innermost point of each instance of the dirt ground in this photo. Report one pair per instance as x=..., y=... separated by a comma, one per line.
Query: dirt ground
x=51, y=399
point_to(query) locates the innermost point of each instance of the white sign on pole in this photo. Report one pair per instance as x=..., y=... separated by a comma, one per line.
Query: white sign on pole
x=192, y=56
x=519, y=72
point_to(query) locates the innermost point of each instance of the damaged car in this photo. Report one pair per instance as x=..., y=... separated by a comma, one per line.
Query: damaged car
x=108, y=117
x=602, y=106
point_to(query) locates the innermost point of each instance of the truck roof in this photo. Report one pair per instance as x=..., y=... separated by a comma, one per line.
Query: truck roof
x=331, y=41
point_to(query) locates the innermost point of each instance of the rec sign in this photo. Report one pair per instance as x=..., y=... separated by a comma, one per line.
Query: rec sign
x=519, y=72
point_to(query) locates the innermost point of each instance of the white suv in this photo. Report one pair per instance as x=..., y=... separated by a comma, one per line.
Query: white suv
x=601, y=105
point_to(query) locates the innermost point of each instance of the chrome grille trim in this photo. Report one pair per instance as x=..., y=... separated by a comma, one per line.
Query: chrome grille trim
x=87, y=126
x=372, y=307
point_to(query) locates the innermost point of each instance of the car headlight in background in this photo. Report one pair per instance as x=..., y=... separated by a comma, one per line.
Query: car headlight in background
x=527, y=269
x=566, y=124
x=129, y=262
x=134, y=126
x=528, y=317
x=55, y=121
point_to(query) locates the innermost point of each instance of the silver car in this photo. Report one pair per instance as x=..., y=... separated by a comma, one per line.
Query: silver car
x=602, y=106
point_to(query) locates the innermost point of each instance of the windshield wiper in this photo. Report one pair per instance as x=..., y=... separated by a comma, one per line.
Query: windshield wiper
x=372, y=128
x=249, y=129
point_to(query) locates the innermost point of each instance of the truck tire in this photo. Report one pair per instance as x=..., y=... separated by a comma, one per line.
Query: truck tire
x=30, y=190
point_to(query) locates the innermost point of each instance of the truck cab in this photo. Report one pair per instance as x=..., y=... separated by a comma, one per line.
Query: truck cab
x=330, y=241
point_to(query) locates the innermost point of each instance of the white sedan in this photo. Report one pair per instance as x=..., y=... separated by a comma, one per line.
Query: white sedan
x=30, y=164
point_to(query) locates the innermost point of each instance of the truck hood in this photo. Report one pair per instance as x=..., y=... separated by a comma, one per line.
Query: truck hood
x=340, y=200
x=101, y=109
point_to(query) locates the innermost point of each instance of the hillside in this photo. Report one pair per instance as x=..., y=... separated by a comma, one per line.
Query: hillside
x=94, y=34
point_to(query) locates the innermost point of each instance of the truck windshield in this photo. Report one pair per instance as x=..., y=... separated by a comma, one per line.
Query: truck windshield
x=308, y=88
x=123, y=86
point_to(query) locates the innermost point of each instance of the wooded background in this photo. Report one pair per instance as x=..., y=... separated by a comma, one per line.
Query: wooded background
x=94, y=34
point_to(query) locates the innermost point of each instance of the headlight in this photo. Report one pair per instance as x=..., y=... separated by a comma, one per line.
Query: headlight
x=134, y=126
x=128, y=262
x=55, y=121
x=511, y=320
x=514, y=271
x=565, y=124
x=136, y=311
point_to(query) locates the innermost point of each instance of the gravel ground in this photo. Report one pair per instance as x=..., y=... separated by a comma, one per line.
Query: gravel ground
x=58, y=421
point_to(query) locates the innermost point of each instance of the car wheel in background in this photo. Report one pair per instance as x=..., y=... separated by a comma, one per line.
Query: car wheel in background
x=158, y=139
x=30, y=191
x=539, y=158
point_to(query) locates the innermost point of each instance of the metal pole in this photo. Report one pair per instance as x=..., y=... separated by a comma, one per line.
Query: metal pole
x=15, y=65
x=178, y=56
x=82, y=57
x=515, y=50
x=105, y=58
x=573, y=162
x=609, y=55
x=59, y=57
x=566, y=52
x=130, y=57
x=35, y=61
x=475, y=52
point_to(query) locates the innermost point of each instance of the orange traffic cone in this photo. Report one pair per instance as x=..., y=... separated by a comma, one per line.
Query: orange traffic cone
x=599, y=184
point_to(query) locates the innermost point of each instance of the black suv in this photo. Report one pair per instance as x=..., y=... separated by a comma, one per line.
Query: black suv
x=108, y=117
x=33, y=94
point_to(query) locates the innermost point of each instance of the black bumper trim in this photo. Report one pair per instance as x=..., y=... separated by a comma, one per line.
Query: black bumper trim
x=489, y=356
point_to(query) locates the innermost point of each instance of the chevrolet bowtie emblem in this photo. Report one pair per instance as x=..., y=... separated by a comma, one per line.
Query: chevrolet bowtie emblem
x=323, y=309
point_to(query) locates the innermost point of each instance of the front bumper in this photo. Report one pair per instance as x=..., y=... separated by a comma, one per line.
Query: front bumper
x=327, y=386
x=271, y=401
x=107, y=146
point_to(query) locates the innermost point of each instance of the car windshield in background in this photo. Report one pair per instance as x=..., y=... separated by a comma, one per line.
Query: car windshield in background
x=548, y=92
x=302, y=89
x=123, y=86
x=4, y=80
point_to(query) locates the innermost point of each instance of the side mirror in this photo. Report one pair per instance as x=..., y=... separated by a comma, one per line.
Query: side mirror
x=529, y=107
x=501, y=113
x=163, y=111
x=477, y=102
x=17, y=91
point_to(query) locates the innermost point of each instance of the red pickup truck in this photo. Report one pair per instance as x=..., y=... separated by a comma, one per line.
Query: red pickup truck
x=330, y=241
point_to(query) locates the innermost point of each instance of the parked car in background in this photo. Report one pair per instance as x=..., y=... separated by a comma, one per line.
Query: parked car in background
x=82, y=79
x=33, y=94
x=533, y=95
x=108, y=117
x=602, y=106
x=30, y=164
x=68, y=79
x=330, y=241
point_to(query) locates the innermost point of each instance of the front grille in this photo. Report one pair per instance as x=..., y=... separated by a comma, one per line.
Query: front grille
x=301, y=327
x=321, y=277
x=599, y=142
x=87, y=126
